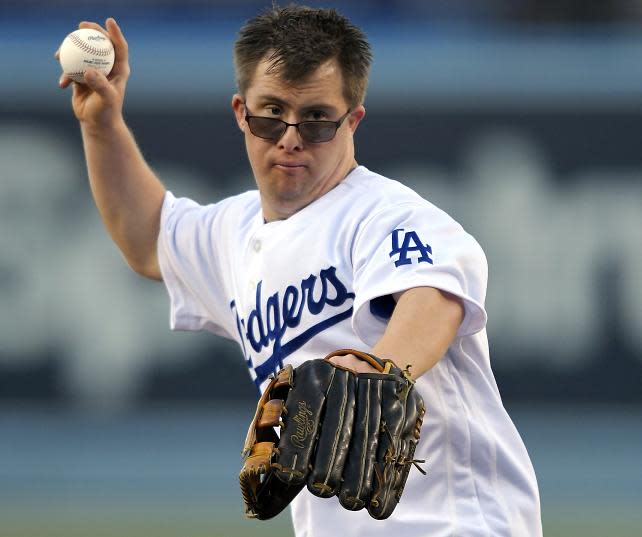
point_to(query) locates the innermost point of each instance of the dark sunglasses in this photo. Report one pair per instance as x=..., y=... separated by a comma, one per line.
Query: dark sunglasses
x=313, y=132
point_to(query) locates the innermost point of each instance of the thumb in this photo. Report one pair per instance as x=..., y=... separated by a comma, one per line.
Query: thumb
x=97, y=81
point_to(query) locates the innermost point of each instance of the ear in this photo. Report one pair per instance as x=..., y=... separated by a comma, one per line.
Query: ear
x=356, y=116
x=238, y=106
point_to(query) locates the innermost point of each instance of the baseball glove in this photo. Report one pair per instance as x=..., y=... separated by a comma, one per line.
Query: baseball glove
x=342, y=433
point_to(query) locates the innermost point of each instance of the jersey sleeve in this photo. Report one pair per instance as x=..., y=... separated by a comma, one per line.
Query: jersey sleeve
x=410, y=245
x=188, y=255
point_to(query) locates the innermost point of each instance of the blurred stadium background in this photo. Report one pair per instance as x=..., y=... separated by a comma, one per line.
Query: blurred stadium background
x=521, y=118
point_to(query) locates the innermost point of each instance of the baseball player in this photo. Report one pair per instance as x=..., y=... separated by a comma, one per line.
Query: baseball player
x=325, y=254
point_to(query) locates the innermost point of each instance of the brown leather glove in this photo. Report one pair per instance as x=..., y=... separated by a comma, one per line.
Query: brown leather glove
x=342, y=433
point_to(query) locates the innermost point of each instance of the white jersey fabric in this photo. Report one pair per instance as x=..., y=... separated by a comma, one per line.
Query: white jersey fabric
x=296, y=289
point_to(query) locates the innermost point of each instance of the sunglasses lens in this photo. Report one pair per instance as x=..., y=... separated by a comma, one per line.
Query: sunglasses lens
x=266, y=127
x=317, y=131
x=273, y=129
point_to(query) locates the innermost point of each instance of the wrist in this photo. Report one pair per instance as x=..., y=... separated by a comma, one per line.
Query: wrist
x=104, y=127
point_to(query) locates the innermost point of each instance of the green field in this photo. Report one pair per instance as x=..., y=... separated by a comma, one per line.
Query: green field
x=73, y=521
x=175, y=474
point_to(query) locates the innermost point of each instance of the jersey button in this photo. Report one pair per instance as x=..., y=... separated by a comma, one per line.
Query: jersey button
x=257, y=245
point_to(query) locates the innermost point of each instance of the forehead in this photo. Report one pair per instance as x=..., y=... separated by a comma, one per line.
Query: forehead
x=324, y=85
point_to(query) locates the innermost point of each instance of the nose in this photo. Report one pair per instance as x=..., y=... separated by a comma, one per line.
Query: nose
x=291, y=139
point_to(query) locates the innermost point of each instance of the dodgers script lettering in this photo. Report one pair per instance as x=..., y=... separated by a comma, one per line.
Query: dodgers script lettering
x=268, y=322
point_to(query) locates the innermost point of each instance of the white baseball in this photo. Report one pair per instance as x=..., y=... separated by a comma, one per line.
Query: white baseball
x=83, y=49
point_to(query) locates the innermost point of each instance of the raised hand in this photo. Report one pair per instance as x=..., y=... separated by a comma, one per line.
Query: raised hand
x=99, y=101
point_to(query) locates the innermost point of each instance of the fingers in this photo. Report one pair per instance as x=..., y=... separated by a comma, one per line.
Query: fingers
x=98, y=82
x=117, y=37
x=351, y=362
x=121, y=64
x=64, y=81
x=93, y=26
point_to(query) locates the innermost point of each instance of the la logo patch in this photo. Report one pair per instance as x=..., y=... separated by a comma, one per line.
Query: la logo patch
x=405, y=242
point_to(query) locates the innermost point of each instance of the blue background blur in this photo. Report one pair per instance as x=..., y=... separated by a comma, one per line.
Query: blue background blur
x=522, y=119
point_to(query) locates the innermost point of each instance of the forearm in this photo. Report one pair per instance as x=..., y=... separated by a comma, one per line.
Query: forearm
x=421, y=329
x=127, y=193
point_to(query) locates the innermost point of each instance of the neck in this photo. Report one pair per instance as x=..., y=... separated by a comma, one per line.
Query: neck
x=270, y=214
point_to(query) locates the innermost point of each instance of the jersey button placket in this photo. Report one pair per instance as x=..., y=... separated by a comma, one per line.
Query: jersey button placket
x=253, y=267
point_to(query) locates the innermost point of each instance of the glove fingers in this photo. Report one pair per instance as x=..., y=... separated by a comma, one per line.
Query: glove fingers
x=359, y=466
x=303, y=412
x=409, y=439
x=334, y=435
x=383, y=500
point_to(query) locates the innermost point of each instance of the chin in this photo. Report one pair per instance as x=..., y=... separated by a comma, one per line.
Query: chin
x=289, y=203
x=288, y=188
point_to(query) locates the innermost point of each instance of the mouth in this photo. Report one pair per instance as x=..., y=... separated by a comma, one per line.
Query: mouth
x=290, y=169
x=289, y=165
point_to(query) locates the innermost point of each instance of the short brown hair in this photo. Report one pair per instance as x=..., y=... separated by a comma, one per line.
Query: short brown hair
x=297, y=40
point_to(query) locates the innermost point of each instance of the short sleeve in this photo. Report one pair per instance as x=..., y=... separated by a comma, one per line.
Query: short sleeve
x=415, y=244
x=188, y=256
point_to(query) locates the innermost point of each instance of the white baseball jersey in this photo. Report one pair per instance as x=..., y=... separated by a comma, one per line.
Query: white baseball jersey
x=296, y=289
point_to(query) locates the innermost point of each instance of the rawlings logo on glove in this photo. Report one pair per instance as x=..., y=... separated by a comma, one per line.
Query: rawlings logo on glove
x=304, y=426
x=343, y=433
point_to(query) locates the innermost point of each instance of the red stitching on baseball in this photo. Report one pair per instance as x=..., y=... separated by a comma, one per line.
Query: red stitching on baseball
x=77, y=76
x=88, y=48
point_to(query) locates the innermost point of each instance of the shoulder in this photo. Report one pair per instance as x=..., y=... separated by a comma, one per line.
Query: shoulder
x=387, y=213
x=379, y=198
x=241, y=207
x=378, y=190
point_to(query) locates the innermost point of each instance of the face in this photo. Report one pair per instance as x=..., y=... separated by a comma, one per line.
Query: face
x=291, y=173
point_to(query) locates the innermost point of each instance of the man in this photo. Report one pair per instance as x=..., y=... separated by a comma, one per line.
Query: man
x=325, y=255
